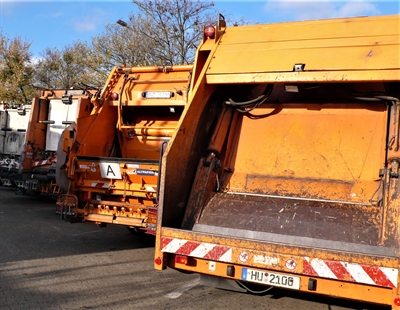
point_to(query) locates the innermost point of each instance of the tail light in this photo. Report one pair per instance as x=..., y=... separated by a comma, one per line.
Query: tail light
x=158, y=261
x=397, y=301
x=181, y=259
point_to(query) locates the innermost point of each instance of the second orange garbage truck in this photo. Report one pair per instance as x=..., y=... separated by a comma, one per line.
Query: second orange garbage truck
x=112, y=166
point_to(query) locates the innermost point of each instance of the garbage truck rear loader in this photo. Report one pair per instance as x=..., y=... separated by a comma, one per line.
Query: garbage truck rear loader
x=285, y=169
x=113, y=154
x=50, y=114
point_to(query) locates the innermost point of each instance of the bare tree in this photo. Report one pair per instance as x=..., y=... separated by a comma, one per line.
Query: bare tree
x=122, y=45
x=15, y=71
x=161, y=32
x=176, y=29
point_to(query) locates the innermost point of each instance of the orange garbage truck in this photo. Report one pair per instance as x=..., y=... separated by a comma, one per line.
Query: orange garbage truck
x=284, y=171
x=51, y=113
x=112, y=164
x=13, y=124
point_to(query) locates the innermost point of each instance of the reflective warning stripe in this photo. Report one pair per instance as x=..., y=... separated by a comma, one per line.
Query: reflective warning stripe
x=196, y=249
x=100, y=185
x=40, y=163
x=360, y=273
x=338, y=270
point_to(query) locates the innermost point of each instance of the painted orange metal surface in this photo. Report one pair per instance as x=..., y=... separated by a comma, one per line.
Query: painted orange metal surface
x=288, y=159
x=324, y=286
x=322, y=152
x=326, y=45
x=113, y=165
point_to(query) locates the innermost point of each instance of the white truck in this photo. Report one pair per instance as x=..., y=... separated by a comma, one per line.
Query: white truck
x=14, y=121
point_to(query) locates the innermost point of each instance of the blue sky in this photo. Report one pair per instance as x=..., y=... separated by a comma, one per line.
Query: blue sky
x=58, y=23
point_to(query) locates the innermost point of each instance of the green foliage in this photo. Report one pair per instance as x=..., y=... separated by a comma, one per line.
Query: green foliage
x=66, y=68
x=16, y=71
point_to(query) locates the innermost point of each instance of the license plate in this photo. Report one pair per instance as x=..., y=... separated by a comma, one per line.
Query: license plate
x=271, y=278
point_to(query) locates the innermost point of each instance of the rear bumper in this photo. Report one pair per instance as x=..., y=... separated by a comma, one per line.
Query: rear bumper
x=358, y=276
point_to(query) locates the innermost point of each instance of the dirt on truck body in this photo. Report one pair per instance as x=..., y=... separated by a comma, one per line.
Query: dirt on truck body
x=288, y=160
x=113, y=154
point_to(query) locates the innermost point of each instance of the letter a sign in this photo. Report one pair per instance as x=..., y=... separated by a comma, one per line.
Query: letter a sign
x=110, y=170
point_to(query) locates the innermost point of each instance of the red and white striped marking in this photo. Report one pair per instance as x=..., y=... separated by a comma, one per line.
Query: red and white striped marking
x=373, y=275
x=196, y=249
x=40, y=163
x=100, y=185
x=360, y=273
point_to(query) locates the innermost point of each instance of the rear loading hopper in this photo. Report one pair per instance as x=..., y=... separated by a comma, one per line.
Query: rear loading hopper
x=51, y=113
x=13, y=124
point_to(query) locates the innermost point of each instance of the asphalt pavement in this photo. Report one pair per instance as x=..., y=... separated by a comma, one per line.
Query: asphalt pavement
x=47, y=263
